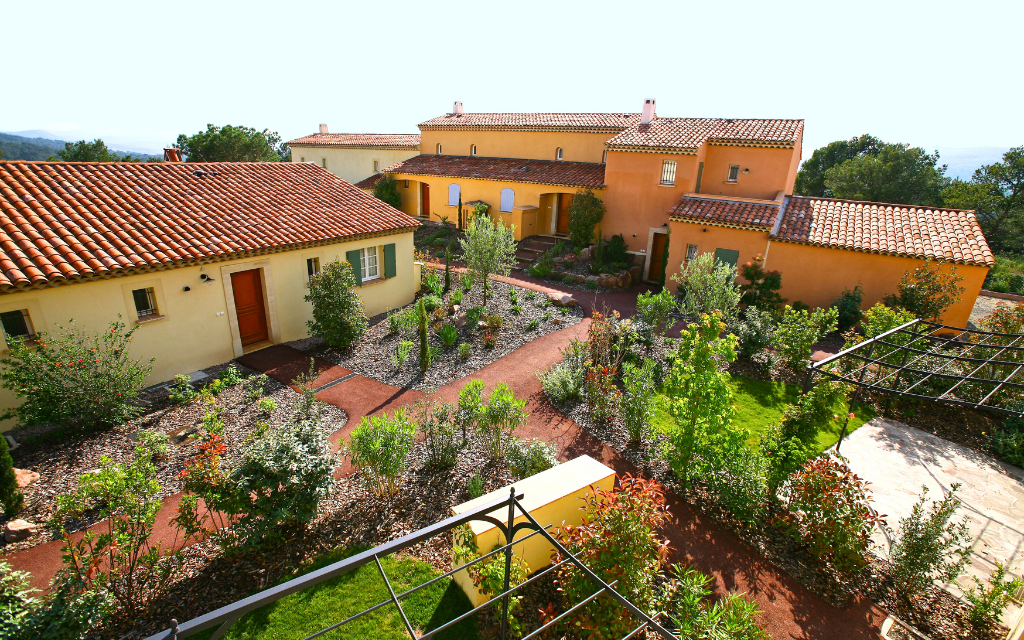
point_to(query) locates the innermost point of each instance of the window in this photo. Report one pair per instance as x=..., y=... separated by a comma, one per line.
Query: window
x=727, y=256
x=438, y=148
x=668, y=172
x=406, y=185
x=368, y=263
x=323, y=162
x=376, y=166
x=17, y=325
x=472, y=150
x=508, y=199
x=145, y=303
x=604, y=157
x=734, y=172
x=312, y=267
x=558, y=154
x=700, y=174
x=454, y=193
x=302, y=158
x=691, y=252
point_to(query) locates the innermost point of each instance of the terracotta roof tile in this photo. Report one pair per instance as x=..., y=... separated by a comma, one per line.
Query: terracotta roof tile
x=896, y=229
x=601, y=122
x=368, y=183
x=357, y=140
x=690, y=133
x=568, y=174
x=80, y=220
x=718, y=211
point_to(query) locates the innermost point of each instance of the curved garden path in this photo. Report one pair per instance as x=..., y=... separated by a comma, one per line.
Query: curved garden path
x=790, y=610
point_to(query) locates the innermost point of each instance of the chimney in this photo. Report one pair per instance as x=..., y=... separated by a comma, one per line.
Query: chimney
x=323, y=128
x=648, y=113
x=172, y=154
x=457, y=110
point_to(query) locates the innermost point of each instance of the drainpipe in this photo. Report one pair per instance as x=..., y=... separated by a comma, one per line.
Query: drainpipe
x=775, y=231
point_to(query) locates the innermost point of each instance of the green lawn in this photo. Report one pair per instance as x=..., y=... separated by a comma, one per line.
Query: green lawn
x=300, y=614
x=760, y=403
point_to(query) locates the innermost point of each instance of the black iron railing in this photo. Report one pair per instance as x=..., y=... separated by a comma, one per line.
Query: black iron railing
x=223, y=618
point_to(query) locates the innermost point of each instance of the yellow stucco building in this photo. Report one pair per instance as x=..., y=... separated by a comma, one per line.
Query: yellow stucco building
x=208, y=260
x=354, y=156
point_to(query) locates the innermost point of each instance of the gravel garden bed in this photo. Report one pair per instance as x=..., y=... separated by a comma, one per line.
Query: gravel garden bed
x=373, y=356
x=61, y=458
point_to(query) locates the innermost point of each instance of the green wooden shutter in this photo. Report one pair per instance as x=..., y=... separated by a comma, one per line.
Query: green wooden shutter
x=728, y=256
x=389, y=261
x=700, y=174
x=357, y=269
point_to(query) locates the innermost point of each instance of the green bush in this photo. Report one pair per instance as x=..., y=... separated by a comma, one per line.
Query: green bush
x=928, y=545
x=603, y=397
x=432, y=281
x=532, y=325
x=499, y=419
x=762, y=288
x=989, y=601
x=17, y=605
x=449, y=334
x=466, y=280
x=755, y=331
x=590, y=284
x=706, y=286
x=401, y=355
x=425, y=352
x=848, y=307
x=386, y=190
x=799, y=330
x=230, y=376
x=154, y=442
x=76, y=380
x=530, y=457
x=696, y=615
x=456, y=297
x=380, y=448
x=475, y=486
x=655, y=310
x=464, y=350
x=563, y=381
x=67, y=613
x=11, y=498
x=471, y=407
x=585, y=212
x=432, y=302
x=927, y=291
x=736, y=476
x=516, y=309
x=437, y=423
x=473, y=316
x=182, y=390
x=338, y=316
x=638, y=398
x=267, y=405
x=255, y=386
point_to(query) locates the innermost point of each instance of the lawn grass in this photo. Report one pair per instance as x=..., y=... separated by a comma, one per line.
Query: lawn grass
x=301, y=614
x=760, y=403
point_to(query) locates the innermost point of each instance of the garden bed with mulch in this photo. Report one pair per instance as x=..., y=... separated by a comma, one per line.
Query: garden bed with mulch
x=373, y=356
x=60, y=458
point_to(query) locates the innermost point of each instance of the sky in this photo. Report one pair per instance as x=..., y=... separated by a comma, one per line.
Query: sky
x=932, y=74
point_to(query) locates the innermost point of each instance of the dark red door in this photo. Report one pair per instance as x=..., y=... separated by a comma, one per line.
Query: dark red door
x=657, y=257
x=252, y=315
x=425, y=211
x=564, y=201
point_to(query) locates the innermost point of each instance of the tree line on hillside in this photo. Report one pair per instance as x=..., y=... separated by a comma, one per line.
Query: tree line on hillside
x=866, y=168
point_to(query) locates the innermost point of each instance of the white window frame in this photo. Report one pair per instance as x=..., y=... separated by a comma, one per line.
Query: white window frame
x=369, y=263
x=691, y=252
x=323, y=162
x=734, y=173
x=472, y=150
x=312, y=267
x=406, y=186
x=438, y=148
x=154, y=312
x=604, y=157
x=668, y=172
x=506, y=207
x=453, y=194
x=558, y=153
x=376, y=166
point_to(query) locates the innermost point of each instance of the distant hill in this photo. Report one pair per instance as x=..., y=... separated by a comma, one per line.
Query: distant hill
x=23, y=148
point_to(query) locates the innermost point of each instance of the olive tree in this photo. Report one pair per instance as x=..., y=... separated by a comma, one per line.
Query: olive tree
x=488, y=247
x=706, y=286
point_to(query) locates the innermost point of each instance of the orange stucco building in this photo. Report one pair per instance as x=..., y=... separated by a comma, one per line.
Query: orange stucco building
x=676, y=187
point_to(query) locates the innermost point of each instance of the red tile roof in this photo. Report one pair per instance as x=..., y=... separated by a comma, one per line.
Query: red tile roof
x=690, y=133
x=368, y=183
x=567, y=174
x=597, y=122
x=359, y=140
x=722, y=212
x=73, y=221
x=895, y=229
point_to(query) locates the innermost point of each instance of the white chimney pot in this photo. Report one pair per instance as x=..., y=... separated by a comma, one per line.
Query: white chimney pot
x=323, y=128
x=648, y=112
x=457, y=109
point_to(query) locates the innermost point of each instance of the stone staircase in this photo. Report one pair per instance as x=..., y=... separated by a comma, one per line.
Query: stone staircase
x=531, y=248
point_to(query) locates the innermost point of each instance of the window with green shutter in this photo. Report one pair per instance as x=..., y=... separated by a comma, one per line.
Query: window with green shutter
x=353, y=259
x=390, y=268
x=728, y=256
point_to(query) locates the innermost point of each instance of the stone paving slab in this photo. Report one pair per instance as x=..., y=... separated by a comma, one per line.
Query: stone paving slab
x=898, y=460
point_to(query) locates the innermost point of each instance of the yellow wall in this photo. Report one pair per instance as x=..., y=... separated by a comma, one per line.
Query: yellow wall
x=349, y=164
x=196, y=331
x=634, y=196
x=771, y=171
x=536, y=145
x=708, y=238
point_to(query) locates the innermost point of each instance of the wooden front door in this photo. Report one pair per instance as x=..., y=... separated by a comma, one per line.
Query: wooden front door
x=247, y=288
x=564, y=201
x=425, y=200
x=657, y=257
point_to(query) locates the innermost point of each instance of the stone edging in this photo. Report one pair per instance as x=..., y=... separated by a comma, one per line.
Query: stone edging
x=1005, y=296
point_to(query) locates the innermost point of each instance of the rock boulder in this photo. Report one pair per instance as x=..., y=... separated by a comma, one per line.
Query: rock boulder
x=635, y=273
x=562, y=299
x=25, y=477
x=17, y=530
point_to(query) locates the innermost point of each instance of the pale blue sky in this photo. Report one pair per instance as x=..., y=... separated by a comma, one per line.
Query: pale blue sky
x=138, y=73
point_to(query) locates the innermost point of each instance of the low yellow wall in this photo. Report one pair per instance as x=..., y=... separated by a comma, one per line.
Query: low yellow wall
x=351, y=164
x=552, y=497
x=196, y=329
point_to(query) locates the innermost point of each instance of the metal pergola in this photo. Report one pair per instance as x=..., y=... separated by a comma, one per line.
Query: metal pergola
x=925, y=360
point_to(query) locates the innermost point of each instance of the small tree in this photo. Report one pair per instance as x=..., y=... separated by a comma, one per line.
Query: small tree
x=10, y=497
x=488, y=247
x=424, y=337
x=638, y=403
x=762, y=287
x=847, y=305
x=928, y=545
x=447, y=269
x=380, y=448
x=927, y=292
x=655, y=311
x=708, y=286
x=699, y=394
x=499, y=419
x=585, y=212
x=799, y=330
x=338, y=315
x=74, y=379
x=386, y=190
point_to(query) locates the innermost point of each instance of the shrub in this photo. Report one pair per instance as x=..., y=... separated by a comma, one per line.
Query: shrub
x=827, y=509
x=799, y=330
x=431, y=302
x=568, y=279
x=117, y=557
x=928, y=546
x=530, y=295
x=475, y=486
x=73, y=379
x=386, y=190
x=501, y=417
x=516, y=309
x=464, y=350
x=494, y=321
x=638, y=400
x=456, y=297
x=255, y=386
x=11, y=496
x=17, y=605
x=708, y=286
x=590, y=284
x=488, y=247
x=530, y=457
x=696, y=616
x=603, y=396
x=473, y=316
x=618, y=540
x=762, y=288
x=755, y=331
x=700, y=401
x=655, y=310
x=532, y=325
x=471, y=407
x=267, y=405
x=449, y=334
x=848, y=307
x=565, y=379
x=735, y=475
x=68, y=612
x=432, y=281
x=424, y=339
x=154, y=442
x=490, y=338
x=926, y=291
x=585, y=212
x=182, y=390
x=338, y=315
x=466, y=280
x=488, y=576
x=440, y=434
x=230, y=376
x=547, y=316
x=402, y=352
x=380, y=447
x=989, y=602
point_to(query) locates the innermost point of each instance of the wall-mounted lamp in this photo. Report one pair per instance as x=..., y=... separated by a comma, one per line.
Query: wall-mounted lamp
x=747, y=170
x=186, y=288
x=205, y=278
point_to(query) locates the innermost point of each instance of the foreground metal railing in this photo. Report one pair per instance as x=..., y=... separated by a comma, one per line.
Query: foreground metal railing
x=226, y=616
